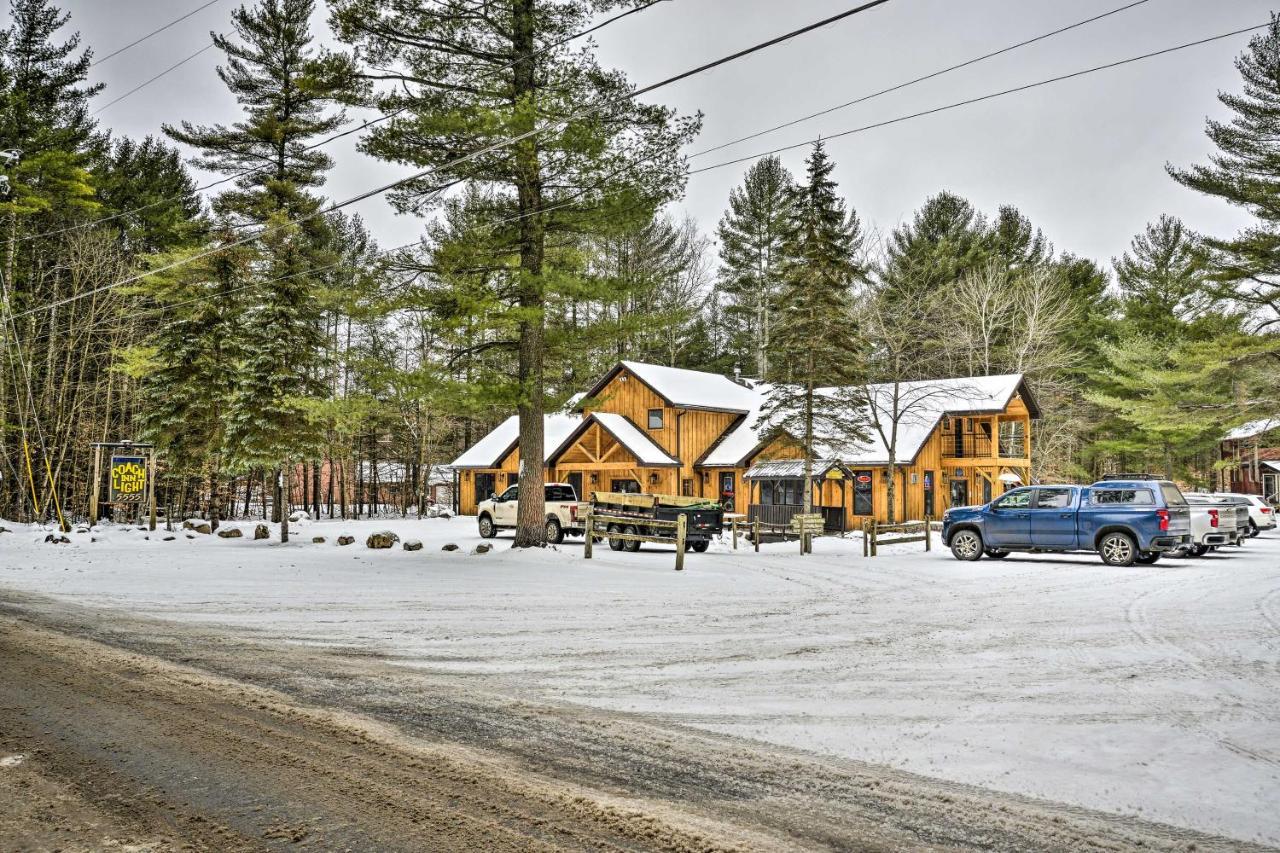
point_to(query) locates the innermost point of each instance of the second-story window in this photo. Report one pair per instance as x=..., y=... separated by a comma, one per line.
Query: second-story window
x=655, y=419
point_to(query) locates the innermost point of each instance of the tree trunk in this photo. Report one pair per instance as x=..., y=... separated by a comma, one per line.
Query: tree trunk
x=286, y=485
x=213, y=498
x=530, y=530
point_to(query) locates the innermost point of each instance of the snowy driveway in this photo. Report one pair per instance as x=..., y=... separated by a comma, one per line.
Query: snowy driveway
x=1151, y=691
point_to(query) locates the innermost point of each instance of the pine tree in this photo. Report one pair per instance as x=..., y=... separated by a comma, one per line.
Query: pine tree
x=465, y=77
x=150, y=196
x=751, y=234
x=285, y=86
x=821, y=354
x=1162, y=279
x=1246, y=172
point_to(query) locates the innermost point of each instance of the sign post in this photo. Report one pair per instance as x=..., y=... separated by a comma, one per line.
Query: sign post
x=131, y=472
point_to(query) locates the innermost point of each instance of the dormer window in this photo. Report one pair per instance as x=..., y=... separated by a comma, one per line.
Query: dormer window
x=655, y=419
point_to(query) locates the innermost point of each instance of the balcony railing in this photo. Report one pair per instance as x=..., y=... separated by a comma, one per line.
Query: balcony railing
x=781, y=514
x=973, y=445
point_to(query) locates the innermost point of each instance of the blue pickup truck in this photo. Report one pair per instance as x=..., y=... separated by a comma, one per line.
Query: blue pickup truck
x=1123, y=521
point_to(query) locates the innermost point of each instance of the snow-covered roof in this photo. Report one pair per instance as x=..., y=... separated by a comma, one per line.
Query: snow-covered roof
x=633, y=439
x=788, y=468
x=489, y=451
x=686, y=389
x=922, y=404
x=1253, y=428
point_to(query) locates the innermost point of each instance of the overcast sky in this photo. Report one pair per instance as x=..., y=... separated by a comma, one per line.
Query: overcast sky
x=1084, y=159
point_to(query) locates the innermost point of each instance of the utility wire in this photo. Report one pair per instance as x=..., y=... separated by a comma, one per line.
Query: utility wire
x=139, y=41
x=163, y=73
x=365, y=125
x=898, y=87
x=979, y=99
x=488, y=149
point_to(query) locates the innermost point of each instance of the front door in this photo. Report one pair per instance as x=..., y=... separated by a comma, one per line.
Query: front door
x=863, y=490
x=1053, y=518
x=959, y=492
x=727, y=496
x=1271, y=488
x=575, y=480
x=486, y=485
x=928, y=495
x=1009, y=522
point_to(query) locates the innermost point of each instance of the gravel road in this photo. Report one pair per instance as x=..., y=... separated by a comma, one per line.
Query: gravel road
x=123, y=733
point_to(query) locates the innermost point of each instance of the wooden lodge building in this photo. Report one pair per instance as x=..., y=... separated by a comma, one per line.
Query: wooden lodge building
x=647, y=428
x=1251, y=460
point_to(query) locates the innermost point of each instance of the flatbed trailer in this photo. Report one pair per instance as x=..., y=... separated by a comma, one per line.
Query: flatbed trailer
x=628, y=513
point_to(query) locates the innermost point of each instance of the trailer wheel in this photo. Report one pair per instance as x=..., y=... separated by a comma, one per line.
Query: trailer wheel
x=631, y=545
x=702, y=545
x=615, y=544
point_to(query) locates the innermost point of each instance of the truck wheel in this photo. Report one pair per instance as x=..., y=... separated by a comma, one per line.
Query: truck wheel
x=1253, y=529
x=1117, y=549
x=1199, y=550
x=488, y=529
x=631, y=545
x=1147, y=558
x=996, y=553
x=615, y=544
x=966, y=545
x=555, y=534
x=702, y=546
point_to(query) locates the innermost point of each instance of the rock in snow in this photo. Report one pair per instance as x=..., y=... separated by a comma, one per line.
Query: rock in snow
x=346, y=540
x=381, y=539
x=317, y=540
x=230, y=533
x=261, y=532
x=412, y=545
x=450, y=547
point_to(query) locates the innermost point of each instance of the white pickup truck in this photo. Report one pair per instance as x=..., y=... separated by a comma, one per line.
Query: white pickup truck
x=1215, y=521
x=564, y=513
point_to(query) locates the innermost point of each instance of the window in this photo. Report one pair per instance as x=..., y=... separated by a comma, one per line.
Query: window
x=512, y=479
x=560, y=493
x=1053, y=498
x=863, y=487
x=486, y=485
x=655, y=419
x=1172, y=494
x=686, y=488
x=630, y=486
x=1013, y=439
x=510, y=494
x=1020, y=499
x=1133, y=497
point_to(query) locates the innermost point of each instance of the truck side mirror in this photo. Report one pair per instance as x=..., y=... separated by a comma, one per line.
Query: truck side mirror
x=492, y=496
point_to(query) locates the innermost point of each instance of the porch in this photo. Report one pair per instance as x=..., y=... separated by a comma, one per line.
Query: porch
x=775, y=491
x=780, y=515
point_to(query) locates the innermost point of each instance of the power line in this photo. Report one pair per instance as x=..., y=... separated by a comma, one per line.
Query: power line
x=155, y=32
x=163, y=73
x=976, y=100
x=930, y=76
x=365, y=125
x=488, y=149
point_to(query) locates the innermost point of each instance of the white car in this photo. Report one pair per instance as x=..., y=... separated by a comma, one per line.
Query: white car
x=564, y=513
x=1215, y=520
x=1262, y=516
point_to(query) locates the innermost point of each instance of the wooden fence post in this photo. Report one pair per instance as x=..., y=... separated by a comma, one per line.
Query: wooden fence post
x=681, y=523
x=757, y=535
x=735, y=534
x=866, y=546
x=874, y=535
x=97, y=485
x=586, y=548
x=928, y=533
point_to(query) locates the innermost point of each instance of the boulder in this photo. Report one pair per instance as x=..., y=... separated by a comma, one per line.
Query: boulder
x=230, y=533
x=261, y=532
x=5, y=530
x=445, y=512
x=57, y=540
x=346, y=540
x=381, y=539
x=171, y=538
x=450, y=547
x=300, y=515
x=482, y=549
x=82, y=528
x=196, y=524
x=412, y=545
x=317, y=540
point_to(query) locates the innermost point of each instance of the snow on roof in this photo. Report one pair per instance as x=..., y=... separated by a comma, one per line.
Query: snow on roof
x=694, y=389
x=1253, y=428
x=788, y=468
x=640, y=445
x=489, y=451
x=921, y=406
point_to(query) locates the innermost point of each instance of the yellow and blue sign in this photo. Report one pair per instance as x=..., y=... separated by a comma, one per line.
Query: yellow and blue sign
x=128, y=480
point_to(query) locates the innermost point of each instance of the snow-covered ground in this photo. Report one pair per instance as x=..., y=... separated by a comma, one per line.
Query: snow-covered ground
x=1152, y=691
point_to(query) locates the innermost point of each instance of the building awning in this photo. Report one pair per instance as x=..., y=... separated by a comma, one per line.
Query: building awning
x=1270, y=466
x=1010, y=477
x=791, y=469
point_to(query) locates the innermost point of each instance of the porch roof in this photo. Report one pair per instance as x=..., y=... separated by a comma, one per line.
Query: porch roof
x=489, y=451
x=788, y=469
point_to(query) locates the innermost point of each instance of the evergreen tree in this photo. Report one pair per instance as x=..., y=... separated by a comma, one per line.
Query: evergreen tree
x=945, y=239
x=1162, y=280
x=751, y=234
x=285, y=86
x=819, y=348
x=463, y=78
x=1246, y=172
x=150, y=196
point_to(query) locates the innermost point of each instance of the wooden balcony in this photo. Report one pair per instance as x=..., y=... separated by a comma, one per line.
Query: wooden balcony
x=981, y=447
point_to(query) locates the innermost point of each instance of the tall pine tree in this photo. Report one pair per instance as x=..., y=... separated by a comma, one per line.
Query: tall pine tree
x=286, y=87
x=821, y=354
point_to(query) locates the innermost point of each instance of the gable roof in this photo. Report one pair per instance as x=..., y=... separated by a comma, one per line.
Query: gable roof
x=630, y=436
x=684, y=389
x=489, y=451
x=924, y=403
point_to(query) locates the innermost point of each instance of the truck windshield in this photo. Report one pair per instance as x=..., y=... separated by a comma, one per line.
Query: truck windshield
x=1172, y=495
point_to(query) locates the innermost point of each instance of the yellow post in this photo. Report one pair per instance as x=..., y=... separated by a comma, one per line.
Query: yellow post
x=31, y=479
x=53, y=489
x=681, y=523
